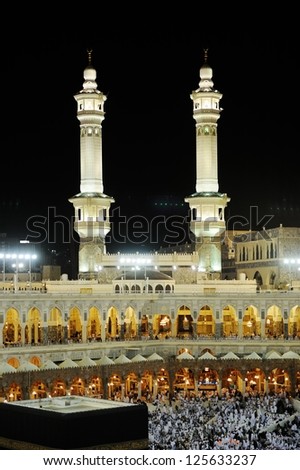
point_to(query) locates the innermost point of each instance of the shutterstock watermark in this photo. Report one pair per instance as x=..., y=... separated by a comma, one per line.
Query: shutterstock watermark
x=138, y=229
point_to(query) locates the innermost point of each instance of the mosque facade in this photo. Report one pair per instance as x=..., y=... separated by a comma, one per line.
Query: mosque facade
x=221, y=317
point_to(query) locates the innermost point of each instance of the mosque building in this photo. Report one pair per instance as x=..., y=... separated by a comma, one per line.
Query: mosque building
x=220, y=315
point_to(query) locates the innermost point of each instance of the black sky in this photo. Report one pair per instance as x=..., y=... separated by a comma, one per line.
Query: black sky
x=148, y=73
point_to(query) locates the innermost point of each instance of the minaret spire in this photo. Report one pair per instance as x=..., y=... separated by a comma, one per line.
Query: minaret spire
x=91, y=204
x=89, y=51
x=207, y=204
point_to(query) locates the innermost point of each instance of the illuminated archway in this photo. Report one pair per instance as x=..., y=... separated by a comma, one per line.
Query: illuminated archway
x=75, y=325
x=274, y=322
x=77, y=387
x=229, y=321
x=255, y=382
x=207, y=381
x=130, y=324
x=251, y=322
x=232, y=381
x=93, y=328
x=184, y=382
x=294, y=322
x=33, y=329
x=95, y=387
x=279, y=381
x=205, y=322
x=38, y=390
x=55, y=326
x=58, y=388
x=11, y=332
x=184, y=322
x=14, y=392
x=112, y=324
x=114, y=387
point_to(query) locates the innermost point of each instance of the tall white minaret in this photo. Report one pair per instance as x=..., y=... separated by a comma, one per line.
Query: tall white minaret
x=207, y=205
x=91, y=204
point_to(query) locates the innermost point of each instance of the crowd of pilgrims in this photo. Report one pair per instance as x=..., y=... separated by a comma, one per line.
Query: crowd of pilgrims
x=260, y=422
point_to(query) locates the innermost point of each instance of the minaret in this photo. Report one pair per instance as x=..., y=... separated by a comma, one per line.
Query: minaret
x=207, y=205
x=91, y=204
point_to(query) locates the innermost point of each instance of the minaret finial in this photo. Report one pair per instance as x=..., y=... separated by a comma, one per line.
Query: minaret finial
x=205, y=55
x=89, y=51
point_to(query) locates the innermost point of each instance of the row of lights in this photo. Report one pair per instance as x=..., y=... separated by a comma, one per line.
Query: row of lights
x=292, y=262
x=25, y=256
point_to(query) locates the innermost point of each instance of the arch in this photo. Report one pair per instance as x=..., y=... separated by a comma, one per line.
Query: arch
x=38, y=390
x=114, y=387
x=135, y=289
x=255, y=382
x=294, y=322
x=33, y=328
x=184, y=350
x=274, y=322
x=131, y=387
x=229, y=321
x=207, y=380
x=112, y=326
x=162, y=383
x=14, y=361
x=77, y=386
x=159, y=288
x=184, y=382
x=251, y=322
x=147, y=386
x=59, y=388
x=258, y=278
x=184, y=322
x=93, y=326
x=161, y=325
x=130, y=324
x=95, y=387
x=36, y=361
x=232, y=382
x=75, y=325
x=279, y=381
x=207, y=350
x=14, y=392
x=117, y=288
x=206, y=325
x=55, y=326
x=11, y=332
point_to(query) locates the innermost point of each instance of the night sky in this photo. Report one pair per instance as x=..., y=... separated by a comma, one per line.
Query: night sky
x=149, y=155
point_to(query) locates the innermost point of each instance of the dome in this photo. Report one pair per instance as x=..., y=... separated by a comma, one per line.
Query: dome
x=89, y=73
x=206, y=72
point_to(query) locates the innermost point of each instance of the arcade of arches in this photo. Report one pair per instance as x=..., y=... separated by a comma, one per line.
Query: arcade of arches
x=38, y=328
x=188, y=378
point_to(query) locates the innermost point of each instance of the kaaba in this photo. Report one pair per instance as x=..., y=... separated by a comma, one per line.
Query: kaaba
x=73, y=422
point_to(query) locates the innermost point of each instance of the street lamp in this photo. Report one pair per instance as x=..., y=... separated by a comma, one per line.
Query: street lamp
x=29, y=257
